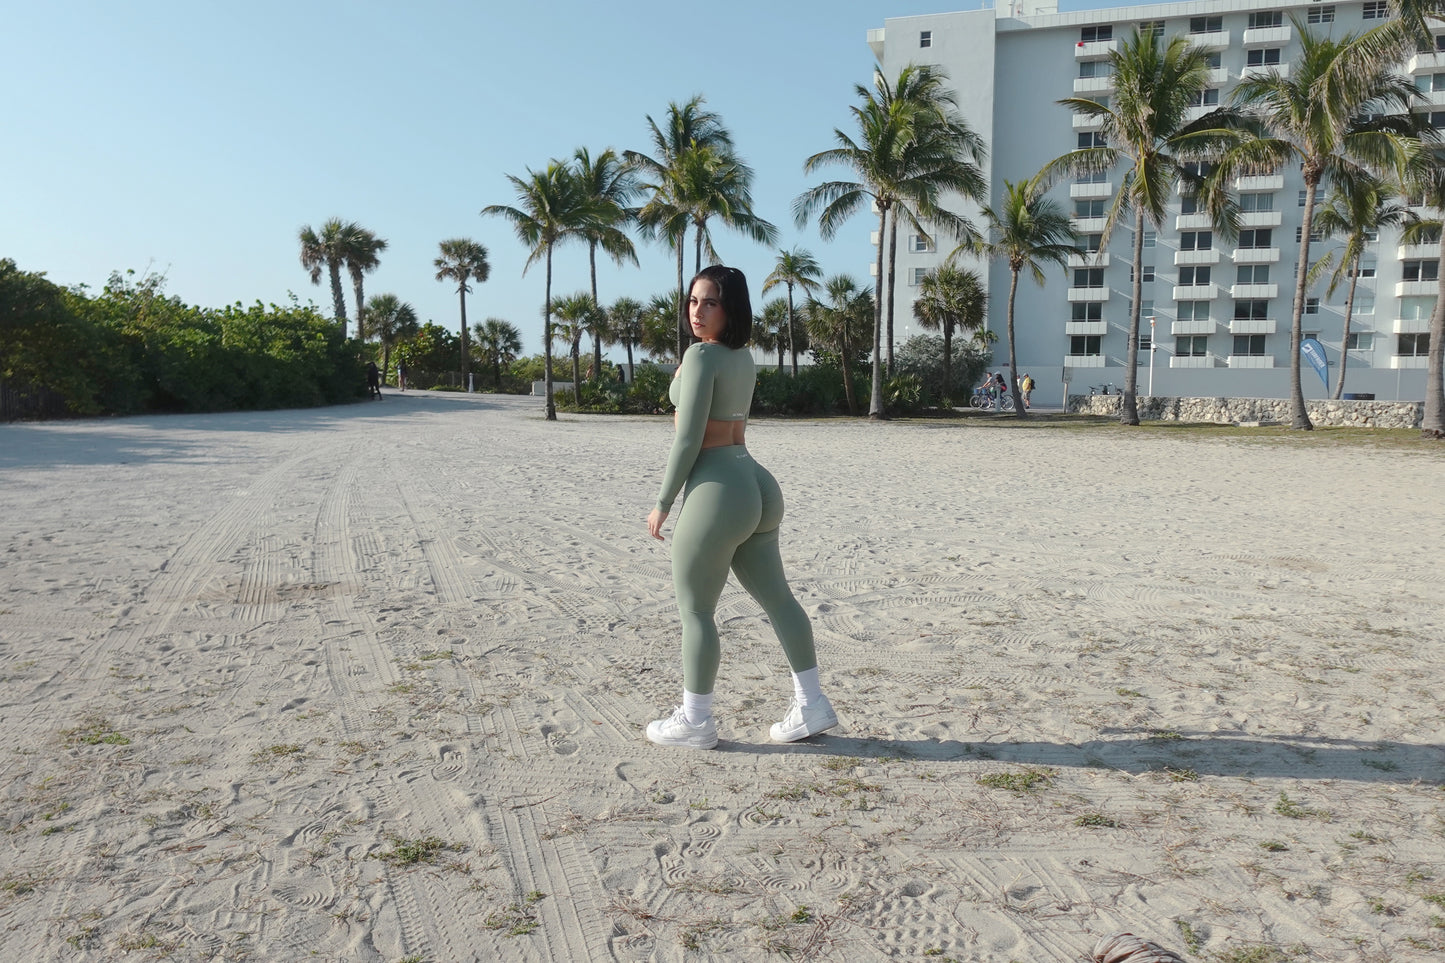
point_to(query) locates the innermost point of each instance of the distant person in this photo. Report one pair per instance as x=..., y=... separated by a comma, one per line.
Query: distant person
x=730, y=515
x=1026, y=387
x=401, y=375
x=373, y=380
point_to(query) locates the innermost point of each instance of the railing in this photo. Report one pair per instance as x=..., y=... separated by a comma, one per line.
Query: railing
x=18, y=404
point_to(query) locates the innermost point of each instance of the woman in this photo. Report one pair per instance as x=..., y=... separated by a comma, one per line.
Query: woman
x=731, y=511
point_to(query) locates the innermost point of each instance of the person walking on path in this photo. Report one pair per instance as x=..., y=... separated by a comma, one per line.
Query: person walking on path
x=1026, y=388
x=401, y=375
x=373, y=380
x=732, y=508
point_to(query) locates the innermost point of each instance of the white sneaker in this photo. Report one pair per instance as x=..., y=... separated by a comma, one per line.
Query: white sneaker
x=802, y=722
x=675, y=730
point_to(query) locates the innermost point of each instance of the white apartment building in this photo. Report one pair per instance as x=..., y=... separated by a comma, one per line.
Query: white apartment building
x=1221, y=310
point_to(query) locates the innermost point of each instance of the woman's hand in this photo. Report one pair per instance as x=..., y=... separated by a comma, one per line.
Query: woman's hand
x=655, y=518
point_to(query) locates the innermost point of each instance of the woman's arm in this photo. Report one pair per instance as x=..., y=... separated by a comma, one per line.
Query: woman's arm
x=694, y=401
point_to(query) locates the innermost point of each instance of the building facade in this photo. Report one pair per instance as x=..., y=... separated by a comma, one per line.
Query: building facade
x=1221, y=310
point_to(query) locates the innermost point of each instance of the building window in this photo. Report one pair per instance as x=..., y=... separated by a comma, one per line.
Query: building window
x=1265, y=18
x=1095, y=68
x=1089, y=243
x=1189, y=204
x=1196, y=241
x=1314, y=235
x=1251, y=310
x=1206, y=24
x=1374, y=10
x=1214, y=60
x=919, y=274
x=1089, y=277
x=921, y=244
x=1205, y=98
x=1256, y=202
x=1088, y=311
x=1412, y=345
x=1156, y=27
x=1085, y=345
x=1266, y=57
x=1426, y=270
x=1094, y=208
x=1249, y=345
x=1192, y=310
x=1256, y=238
x=1192, y=346
x=1252, y=274
x=1367, y=269
x=1361, y=341
x=1302, y=198
x=1193, y=275
x=1425, y=83
x=1149, y=239
x=1095, y=177
x=1092, y=34
x=925, y=38
x=1148, y=274
x=1092, y=138
x=1437, y=119
x=1312, y=305
x=1321, y=15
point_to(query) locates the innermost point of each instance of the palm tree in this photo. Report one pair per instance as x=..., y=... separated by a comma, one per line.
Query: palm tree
x=1028, y=230
x=553, y=207
x=609, y=185
x=361, y=258
x=462, y=261
x=389, y=320
x=913, y=148
x=574, y=315
x=1334, y=115
x=1354, y=211
x=795, y=268
x=499, y=341
x=1148, y=129
x=951, y=298
x=842, y=323
x=772, y=327
x=624, y=320
x=329, y=249
x=659, y=327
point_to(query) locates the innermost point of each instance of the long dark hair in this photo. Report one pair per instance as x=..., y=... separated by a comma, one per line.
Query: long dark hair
x=732, y=289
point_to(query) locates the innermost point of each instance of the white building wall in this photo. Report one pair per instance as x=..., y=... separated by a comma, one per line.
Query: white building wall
x=1009, y=74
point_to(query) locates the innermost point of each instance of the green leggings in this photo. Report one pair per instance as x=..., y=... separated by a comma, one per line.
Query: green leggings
x=731, y=511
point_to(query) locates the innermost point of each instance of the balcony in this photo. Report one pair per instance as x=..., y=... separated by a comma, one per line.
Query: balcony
x=1412, y=325
x=1218, y=77
x=1094, y=85
x=1252, y=326
x=1083, y=361
x=1088, y=294
x=1090, y=192
x=1254, y=292
x=1409, y=361
x=1256, y=255
x=1433, y=98
x=1267, y=37
x=1266, y=182
x=1248, y=219
x=1251, y=361
x=1195, y=326
x=1185, y=222
x=1426, y=63
x=1086, y=327
x=1084, y=260
x=1192, y=361
x=1207, y=256
x=1417, y=252
x=1196, y=292
x=1417, y=289
x=1264, y=70
x=1088, y=122
x=1089, y=225
x=1211, y=41
x=1095, y=49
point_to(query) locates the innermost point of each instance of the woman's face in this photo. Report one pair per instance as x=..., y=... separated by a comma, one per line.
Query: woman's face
x=704, y=308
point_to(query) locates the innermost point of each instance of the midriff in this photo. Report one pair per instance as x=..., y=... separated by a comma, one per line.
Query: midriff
x=719, y=434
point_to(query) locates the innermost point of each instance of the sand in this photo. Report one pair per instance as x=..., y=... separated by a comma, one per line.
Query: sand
x=369, y=683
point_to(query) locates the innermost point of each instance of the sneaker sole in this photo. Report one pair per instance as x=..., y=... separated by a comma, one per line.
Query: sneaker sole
x=686, y=744
x=797, y=735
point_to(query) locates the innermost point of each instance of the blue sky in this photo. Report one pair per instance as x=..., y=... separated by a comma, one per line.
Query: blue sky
x=194, y=139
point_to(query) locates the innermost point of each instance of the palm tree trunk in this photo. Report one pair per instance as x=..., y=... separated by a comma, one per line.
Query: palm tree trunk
x=1299, y=417
x=846, y=350
x=631, y=371
x=875, y=403
x=577, y=365
x=1345, y=340
x=1433, y=423
x=360, y=306
x=1013, y=368
x=681, y=303
x=781, y=347
x=947, y=355
x=462, y=296
x=497, y=369
x=338, y=300
x=892, y=284
x=596, y=328
x=1129, y=404
x=547, y=342
x=792, y=345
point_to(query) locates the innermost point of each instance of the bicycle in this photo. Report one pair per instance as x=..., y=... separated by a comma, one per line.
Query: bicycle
x=1105, y=389
x=980, y=399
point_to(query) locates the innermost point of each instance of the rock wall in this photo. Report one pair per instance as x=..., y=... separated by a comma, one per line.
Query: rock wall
x=1353, y=414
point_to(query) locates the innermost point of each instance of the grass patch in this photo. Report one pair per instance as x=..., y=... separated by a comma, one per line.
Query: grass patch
x=1290, y=809
x=282, y=750
x=1031, y=779
x=409, y=852
x=93, y=731
x=1252, y=954
x=1097, y=819
x=517, y=919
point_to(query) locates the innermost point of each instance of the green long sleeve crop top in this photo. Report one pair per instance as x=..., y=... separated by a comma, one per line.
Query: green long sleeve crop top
x=714, y=382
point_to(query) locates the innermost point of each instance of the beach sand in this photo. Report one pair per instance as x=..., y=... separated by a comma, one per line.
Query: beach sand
x=369, y=683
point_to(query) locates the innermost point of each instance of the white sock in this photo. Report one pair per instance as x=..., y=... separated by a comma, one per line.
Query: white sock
x=697, y=708
x=806, y=688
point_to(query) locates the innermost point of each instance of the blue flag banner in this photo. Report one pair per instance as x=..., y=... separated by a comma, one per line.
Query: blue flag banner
x=1314, y=353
